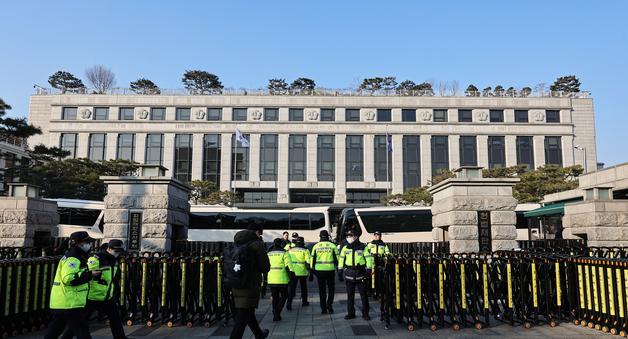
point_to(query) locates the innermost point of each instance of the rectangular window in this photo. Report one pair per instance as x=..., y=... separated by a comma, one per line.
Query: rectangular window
x=411, y=161
x=440, y=115
x=154, y=149
x=525, y=152
x=521, y=115
x=468, y=151
x=408, y=115
x=496, y=152
x=69, y=113
x=553, y=151
x=297, y=157
x=354, y=149
x=214, y=114
x=240, y=156
x=328, y=114
x=126, y=147
x=69, y=143
x=268, y=157
x=325, y=158
x=239, y=114
x=259, y=197
x=271, y=114
x=157, y=113
x=352, y=114
x=101, y=113
x=365, y=196
x=382, y=157
x=496, y=115
x=211, y=158
x=440, y=154
x=183, y=157
x=126, y=113
x=465, y=115
x=308, y=197
x=295, y=114
x=97, y=146
x=183, y=113
x=552, y=116
x=384, y=115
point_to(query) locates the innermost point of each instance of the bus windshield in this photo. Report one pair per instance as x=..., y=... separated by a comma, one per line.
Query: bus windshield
x=396, y=221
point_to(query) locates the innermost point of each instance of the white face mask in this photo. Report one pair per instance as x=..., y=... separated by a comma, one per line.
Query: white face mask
x=350, y=240
x=85, y=247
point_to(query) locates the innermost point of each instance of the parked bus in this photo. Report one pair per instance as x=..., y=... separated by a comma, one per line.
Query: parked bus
x=80, y=215
x=220, y=223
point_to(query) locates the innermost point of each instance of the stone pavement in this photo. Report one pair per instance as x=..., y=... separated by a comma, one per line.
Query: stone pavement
x=308, y=322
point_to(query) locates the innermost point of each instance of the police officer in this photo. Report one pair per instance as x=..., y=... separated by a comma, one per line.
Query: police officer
x=300, y=258
x=355, y=261
x=323, y=263
x=68, y=295
x=100, y=296
x=279, y=276
x=291, y=244
x=378, y=250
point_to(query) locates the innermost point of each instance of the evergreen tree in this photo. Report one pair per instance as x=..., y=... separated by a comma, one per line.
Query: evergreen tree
x=144, y=87
x=302, y=86
x=472, y=91
x=277, y=86
x=201, y=82
x=66, y=82
x=566, y=84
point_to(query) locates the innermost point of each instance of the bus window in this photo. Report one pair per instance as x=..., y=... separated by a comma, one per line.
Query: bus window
x=397, y=221
x=274, y=221
x=317, y=220
x=299, y=221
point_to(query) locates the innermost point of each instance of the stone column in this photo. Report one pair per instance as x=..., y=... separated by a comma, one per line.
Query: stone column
x=225, y=162
x=311, y=158
x=82, y=149
x=454, y=151
x=111, y=145
x=23, y=214
x=457, y=202
x=140, y=147
x=539, y=150
x=197, y=156
x=482, y=150
x=254, y=156
x=426, y=159
x=282, y=170
x=340, y=189
x=511, y=150
x=369, y=158
x=162, y=204
x=397, y=164
x=168, y=155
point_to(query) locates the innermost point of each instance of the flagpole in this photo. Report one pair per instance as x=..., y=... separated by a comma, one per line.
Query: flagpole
x=387, y=171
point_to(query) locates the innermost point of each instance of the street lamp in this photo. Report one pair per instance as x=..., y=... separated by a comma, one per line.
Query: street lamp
x=584, y=150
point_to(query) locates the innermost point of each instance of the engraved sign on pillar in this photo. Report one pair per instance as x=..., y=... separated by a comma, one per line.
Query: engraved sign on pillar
x=484, y=231
x=135, y=231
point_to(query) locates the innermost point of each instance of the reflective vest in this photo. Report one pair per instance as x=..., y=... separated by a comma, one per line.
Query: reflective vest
x=289, y=246
x=350, y=257
x=299, y=256
x=63, y=295
x=378, y=249
x=101, y=289
x=279, y=260
x=323, y=255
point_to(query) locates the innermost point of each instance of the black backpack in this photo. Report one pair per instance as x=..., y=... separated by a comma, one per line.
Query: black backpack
x=236, y=261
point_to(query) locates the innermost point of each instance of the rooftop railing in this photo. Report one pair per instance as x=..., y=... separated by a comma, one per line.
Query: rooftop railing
x=348, y=92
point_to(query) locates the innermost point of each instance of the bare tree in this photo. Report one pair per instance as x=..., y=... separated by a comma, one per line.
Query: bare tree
x=540, y=88
x=453, y=85
x=442, y=88
x=101, y=78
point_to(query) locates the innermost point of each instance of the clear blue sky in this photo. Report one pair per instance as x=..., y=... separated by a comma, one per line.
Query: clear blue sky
x=487, y=43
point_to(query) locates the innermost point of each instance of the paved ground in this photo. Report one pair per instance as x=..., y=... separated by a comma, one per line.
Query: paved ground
x=307, y=322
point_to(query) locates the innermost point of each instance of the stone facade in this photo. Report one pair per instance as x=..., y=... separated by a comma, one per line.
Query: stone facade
x=162, y=201
x=21, y=217
x=602, y=223
x=455, y=212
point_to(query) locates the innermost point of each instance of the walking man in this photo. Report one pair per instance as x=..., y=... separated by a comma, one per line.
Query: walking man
x=355, y=261
x=300, y=258
x=279, y=276
x=323, y=263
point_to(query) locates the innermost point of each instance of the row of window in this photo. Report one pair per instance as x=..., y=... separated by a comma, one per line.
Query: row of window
x=325, y=164
x=313, y=196
x=296, y=114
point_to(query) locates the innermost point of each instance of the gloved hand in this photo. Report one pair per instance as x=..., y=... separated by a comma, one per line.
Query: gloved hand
x=341, y=275
x=311, y=278
x=292, y=276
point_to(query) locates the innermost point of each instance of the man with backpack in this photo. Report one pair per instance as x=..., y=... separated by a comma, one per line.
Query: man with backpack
x=244, y=263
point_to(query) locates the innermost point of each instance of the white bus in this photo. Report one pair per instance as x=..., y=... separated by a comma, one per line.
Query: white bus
x=220, y=223
x=80, y=215
x=407, y=224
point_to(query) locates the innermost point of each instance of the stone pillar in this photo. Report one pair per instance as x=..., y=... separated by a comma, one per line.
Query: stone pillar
x=397, y=164
x=162, y=204
x=254, y=156
x=457, y=202
x=23, y=213
x=197, y=156
x=426, y=159
x=511, y=150
x=340, y=189
x=311, y=158
x=283, y=195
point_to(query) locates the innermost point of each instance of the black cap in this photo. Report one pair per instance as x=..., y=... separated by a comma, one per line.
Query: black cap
x=115, y=244
x=295, y=235
x=81, y=236
x=300, y=240
x=324, y=234
x=348, y=233
x=377, y=233
x=255, y=227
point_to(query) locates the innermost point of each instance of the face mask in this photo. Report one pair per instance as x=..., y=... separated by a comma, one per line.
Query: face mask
x=350, y=240
x=85, y=247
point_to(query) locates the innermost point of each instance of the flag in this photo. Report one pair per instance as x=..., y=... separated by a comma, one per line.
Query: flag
x=389, y=142
x=240, y=137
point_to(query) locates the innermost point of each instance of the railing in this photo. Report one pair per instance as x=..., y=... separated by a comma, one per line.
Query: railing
x=11, y=140
x=315, y=92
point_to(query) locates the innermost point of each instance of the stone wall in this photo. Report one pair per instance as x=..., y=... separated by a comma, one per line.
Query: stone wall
x=162, y=201
x=605, y=223
x=21, y=217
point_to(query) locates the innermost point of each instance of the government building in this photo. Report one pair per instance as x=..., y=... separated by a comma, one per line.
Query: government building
x=330, y=148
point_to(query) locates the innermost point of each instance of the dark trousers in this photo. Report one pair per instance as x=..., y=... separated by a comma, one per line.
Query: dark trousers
x=107, y=308
x=351, y=285
x=292, y=289
x=244, y=317
x=74, y=319
x=279, y=294
x=326, y=288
